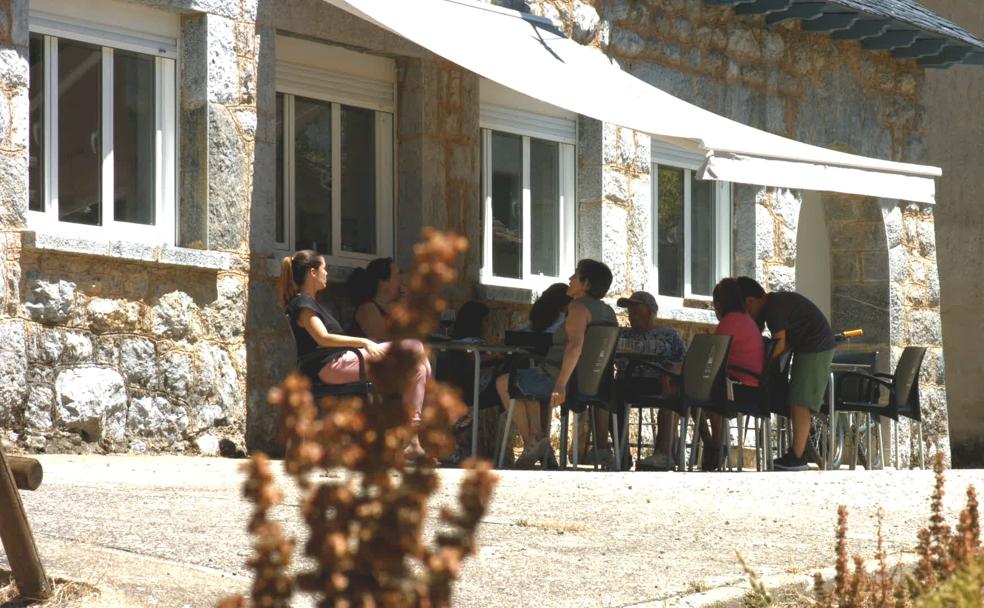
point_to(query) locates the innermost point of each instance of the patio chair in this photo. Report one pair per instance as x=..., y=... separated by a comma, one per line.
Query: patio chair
x=903, y=393
x=758, y=402
x=860, y=390
x=318, y=388
x=590, y=385
x=701, y=384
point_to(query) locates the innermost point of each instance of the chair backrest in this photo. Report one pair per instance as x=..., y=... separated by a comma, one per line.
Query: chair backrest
x=600, y=340
x=704, y=367
x=854, y=388
x=905, y=386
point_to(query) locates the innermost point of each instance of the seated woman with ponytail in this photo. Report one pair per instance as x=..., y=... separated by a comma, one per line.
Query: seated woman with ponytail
x=301, y=278
x=372, y=289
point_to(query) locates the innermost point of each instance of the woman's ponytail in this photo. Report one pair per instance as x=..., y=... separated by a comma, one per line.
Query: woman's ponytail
x=293, y=271
x=288, y=289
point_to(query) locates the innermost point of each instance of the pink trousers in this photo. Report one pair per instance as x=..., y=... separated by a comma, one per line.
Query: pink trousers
x=345, y=369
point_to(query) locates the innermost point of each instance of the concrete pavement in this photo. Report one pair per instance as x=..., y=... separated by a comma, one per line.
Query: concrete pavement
x=170, y=530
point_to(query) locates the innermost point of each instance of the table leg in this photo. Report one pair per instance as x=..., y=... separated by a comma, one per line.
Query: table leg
x=475, y=393
x=833, y=425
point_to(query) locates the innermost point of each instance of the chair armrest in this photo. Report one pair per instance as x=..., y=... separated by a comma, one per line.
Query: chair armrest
x=652, y=365
x=746, y=371
x=323, y=353
x=842, y=376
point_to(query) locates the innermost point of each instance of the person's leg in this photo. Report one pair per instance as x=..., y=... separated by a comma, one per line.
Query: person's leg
x=602, y=426
x=533, y=419
x=520, y=417
x=717, y=429
x=342, y=369
x=801, y=417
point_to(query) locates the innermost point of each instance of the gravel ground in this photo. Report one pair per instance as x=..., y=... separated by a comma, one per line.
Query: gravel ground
x=170, y=531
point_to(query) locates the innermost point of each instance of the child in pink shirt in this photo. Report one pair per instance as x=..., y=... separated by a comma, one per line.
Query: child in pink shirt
x=747, y=352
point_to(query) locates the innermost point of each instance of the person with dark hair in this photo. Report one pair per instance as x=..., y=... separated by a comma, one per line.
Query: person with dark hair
x=586, y=287
x=646, y=335
x=469, y=320
x=745, y=359
x=801, y=328
x=301, y=278
x=549, y=311
x=372, y=289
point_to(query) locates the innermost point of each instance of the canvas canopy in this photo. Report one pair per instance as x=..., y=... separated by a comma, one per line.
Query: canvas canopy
x=530, y=56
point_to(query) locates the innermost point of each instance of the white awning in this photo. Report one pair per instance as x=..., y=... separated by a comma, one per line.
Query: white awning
x=526, y=55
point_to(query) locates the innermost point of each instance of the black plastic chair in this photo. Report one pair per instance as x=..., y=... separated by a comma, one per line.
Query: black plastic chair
x=701, y=384
x=758, y=402
x=903, y=393
x=590, y=385
x=318, y=388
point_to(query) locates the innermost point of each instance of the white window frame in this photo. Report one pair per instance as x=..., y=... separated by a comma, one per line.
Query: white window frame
x=165, y=53
x=295, y=80
x=530, y=126
x=669, y=156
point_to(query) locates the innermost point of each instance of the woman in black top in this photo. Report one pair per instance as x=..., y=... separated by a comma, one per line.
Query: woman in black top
x=372, y=289
x=301, y=278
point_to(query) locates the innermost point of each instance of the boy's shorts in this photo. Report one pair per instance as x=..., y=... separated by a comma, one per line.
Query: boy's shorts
x=809, y=377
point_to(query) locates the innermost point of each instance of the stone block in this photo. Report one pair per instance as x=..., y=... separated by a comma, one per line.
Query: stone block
x=616, y=185
x=177, y=371
x=743, y=45
x=138, y=360
x=586, y=22
x=91, y=401
x=44, y=345
x=898, y=264
x=226, y=317
x=616, y=10
x=786, y=252
x=875, y=267
x=863, y=305
x=176, y=316
x=106, y=350
x=13, y=369
x=51, y=302
x=892, y=218
x=626, y=43
x=780, y=277
x=207, y=445
x=614, y=245
x=227, y=182
x=157, y=417
x=773, y=47
x=39, y=407
x=924, y=328
x=113, y=316
x=765, y=234
x=927, y=239
x=845, y=267
x=77, y=348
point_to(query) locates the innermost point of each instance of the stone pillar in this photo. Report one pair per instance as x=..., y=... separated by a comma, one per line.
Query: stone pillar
x=614, y=216
x=765, y=224
x=218, y=103
x=915, y=320
x=14, y=112
x=438, y=139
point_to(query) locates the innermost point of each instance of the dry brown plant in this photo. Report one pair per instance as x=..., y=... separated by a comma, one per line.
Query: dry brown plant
x=366, y=526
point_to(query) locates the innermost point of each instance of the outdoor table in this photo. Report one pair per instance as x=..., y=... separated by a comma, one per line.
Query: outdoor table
x=477, y=349
x=831, y=402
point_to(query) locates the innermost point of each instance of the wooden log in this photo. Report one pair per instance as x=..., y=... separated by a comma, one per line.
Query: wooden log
x=18, y=541
x=27, y=472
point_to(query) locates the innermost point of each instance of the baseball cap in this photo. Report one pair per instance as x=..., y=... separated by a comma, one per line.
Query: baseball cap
x=640, y=297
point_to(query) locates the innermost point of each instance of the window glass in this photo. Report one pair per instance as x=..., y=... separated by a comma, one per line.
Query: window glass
x=358, y=157
x=79, y=133
x=703, y=217
x=669, y=249
x=545, y=202
x=36, y=141
x=279, y=204
x=312, y=174
x=507, y=205
x=134, y=137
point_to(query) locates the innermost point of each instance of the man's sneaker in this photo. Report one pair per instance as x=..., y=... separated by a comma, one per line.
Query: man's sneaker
x=605, y=459
x=657, y=461
x=790, y=462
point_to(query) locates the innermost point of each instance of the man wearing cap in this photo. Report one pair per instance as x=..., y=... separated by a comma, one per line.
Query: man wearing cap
x=645, y=335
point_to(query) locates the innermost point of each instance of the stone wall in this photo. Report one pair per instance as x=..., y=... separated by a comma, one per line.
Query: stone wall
x=125, y=345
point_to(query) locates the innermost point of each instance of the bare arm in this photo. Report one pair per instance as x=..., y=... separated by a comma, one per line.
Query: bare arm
x=576, y=326
x=781, y=346
x=316, y=328
x=371, y=321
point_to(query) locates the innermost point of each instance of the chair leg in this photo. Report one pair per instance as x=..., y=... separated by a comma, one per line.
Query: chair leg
x=624, y=439
x=854, y=441
x=682, y=443
x=895, y=440
x=592, y=437
x=727, y=445
x=564, y=424
x=505, y=432
x=881, y=447
x=577, y=435
x=697, y=445
x=767, y=444
x=922, y=448
x=758, y=445
x=618, y=444
x=832, y=412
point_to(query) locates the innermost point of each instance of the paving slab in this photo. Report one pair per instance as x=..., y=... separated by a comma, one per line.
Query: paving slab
x=170, y=530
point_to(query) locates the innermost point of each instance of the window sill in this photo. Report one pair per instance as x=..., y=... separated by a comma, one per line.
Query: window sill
x=688, y=314
x=507, y=295
x=165, y=255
